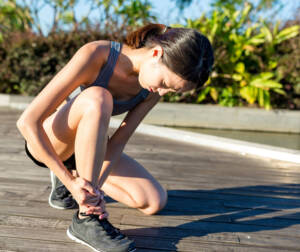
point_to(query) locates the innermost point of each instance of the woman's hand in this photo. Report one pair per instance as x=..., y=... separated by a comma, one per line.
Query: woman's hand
x=90, y=199
x=84, y=193
x=99, y=209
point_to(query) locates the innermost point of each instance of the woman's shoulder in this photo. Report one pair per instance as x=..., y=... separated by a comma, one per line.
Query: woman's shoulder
x=97, y=53
x=97, y=44
x=96, y=48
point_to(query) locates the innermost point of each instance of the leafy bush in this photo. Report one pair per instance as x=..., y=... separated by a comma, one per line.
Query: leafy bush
x=246, y=60
x=28, y=62
x=288, y=54
x=13, y=17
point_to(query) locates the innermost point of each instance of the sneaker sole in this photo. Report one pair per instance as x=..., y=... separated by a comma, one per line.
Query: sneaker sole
x=52, y=190
x=72, y=237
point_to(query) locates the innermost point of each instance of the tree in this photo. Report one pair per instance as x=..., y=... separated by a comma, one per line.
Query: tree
x=113, y=15
x=13, y=17
x=232, y=4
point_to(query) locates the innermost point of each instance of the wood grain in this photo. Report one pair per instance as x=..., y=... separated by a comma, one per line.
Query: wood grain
x=218, y=200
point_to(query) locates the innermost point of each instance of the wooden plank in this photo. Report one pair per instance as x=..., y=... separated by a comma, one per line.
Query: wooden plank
x=285, y=192
x=176, y=236
x=227, y=187
x=38, y=173
x=59, y=236
x=257, y=217
x=19, y=244
x=64, y=225
x=212, y=168
x=44, y=211
x=218, y=177
x=196, y=202
x=201, y=226
x=14, y=227
x=160, y=243
x=249, y=193
x=36, y=245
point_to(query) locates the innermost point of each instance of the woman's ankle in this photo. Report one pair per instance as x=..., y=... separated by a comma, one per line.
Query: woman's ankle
x=80, y=216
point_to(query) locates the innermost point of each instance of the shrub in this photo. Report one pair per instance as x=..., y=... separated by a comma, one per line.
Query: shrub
x=246, y=67
x=29, y=62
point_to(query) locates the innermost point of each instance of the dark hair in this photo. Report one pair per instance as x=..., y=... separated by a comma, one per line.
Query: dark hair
x=187, y=52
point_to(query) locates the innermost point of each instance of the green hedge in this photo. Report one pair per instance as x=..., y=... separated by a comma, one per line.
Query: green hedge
x=289, y=63
x=29, y=62
x=256, y=64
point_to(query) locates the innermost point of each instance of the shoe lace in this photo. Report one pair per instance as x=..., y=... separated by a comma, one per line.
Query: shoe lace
x=108, y=227
x=112, y=231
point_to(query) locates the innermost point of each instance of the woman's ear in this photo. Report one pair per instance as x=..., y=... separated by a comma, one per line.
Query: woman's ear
x=157, y=51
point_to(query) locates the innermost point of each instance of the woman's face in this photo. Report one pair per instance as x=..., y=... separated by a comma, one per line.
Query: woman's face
x=156, y=77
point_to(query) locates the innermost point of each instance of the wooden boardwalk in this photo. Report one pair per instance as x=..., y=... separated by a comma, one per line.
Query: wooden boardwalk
x=218, y=201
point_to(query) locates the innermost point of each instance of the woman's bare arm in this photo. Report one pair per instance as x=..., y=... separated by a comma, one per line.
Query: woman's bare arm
x=117, y=142
x=79, y=71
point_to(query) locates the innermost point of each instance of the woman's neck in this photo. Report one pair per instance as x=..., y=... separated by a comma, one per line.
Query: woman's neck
x=124, y=83
x=131, y=59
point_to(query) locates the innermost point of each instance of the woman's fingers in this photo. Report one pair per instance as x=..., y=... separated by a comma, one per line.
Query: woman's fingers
x=94, y=201
x=95, y=211
x=100, y=206
x=91, y=195
x=98, y=209
x=88, y=187
x=91, y=198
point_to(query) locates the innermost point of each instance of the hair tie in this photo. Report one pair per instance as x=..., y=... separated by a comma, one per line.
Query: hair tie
x=165, y=29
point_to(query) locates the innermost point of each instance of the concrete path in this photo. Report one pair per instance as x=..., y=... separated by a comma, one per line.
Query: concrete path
x=202, y=116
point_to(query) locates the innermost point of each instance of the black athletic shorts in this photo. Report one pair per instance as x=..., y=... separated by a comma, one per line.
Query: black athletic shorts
x=69, y=163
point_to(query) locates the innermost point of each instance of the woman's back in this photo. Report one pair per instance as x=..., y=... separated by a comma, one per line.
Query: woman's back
x=103, y=79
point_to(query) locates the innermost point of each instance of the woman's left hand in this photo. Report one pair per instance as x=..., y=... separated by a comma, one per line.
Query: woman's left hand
x=99, y=208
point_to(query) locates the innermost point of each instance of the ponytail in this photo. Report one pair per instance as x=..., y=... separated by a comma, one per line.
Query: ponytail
x=138, y=38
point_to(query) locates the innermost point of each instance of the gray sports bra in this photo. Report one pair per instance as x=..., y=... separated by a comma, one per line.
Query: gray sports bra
x=103, y=79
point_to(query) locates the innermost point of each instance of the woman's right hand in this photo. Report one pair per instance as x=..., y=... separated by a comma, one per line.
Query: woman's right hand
x=84, y=193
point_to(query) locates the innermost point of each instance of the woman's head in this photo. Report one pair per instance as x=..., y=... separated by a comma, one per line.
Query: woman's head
x=186, y=52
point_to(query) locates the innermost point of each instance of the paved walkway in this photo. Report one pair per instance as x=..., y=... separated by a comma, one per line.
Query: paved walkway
x=218, y=201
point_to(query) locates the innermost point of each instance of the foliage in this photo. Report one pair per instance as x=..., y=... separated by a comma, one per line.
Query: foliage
x=29, y=63
x=112, y=15
x=20, y=51
x=12, y=17
x=288, y=53
x=233, y=5
x=136, y=12
x=246, y=64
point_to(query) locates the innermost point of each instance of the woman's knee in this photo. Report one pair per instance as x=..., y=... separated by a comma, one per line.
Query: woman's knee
x=97, y=100
x=156, y=204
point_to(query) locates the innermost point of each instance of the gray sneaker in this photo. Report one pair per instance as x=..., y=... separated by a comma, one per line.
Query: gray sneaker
x=60, y=197
x=99, y=235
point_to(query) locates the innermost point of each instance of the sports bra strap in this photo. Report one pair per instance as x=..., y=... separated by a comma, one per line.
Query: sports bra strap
x=108, y=69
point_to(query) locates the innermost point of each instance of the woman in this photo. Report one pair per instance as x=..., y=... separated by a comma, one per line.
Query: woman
x=103, y=79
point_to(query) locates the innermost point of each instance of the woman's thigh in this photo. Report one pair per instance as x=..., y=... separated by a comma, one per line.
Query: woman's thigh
x=130, y=183
x=61, y=126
